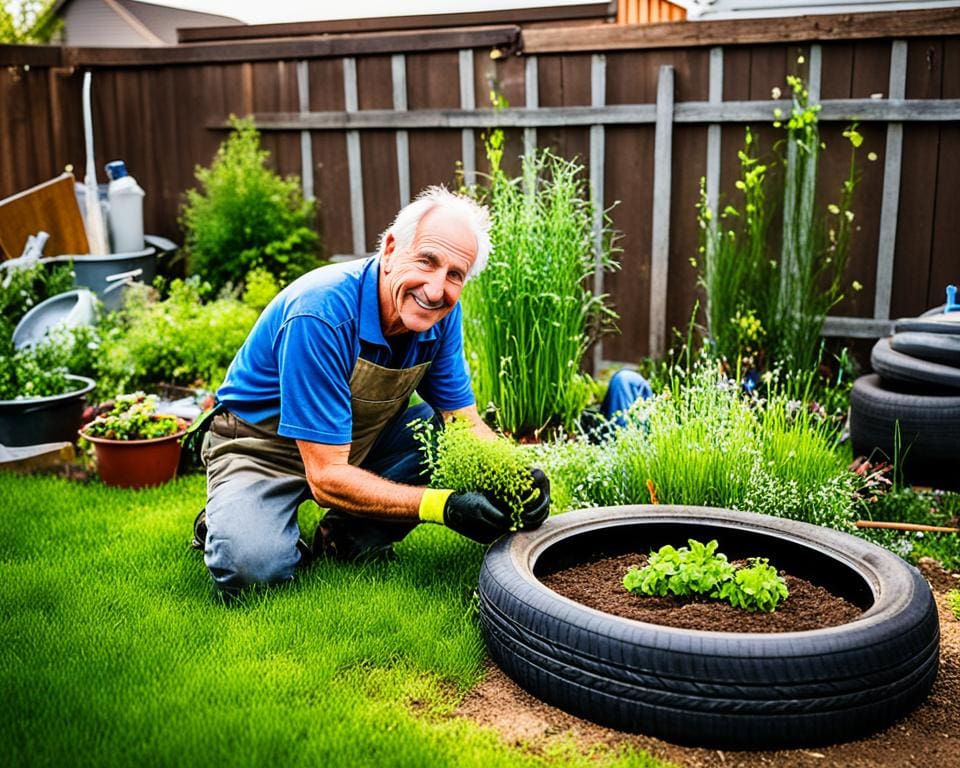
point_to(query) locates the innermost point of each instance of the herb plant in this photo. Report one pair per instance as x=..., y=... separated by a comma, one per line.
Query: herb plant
x=758, y=587
x=700, y=571
x=133, y=417
x=530, y=316
x=459, y=460
x=244, y=216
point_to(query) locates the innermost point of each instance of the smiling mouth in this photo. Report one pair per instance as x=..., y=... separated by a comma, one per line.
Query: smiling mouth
x=423, y=304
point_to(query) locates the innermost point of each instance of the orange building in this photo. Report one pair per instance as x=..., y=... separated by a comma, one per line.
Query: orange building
x=648, y=11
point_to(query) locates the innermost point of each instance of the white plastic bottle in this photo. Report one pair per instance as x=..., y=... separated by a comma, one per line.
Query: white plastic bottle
x=126, y=209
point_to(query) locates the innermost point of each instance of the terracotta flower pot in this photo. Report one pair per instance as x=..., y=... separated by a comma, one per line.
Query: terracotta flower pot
x=137, y=463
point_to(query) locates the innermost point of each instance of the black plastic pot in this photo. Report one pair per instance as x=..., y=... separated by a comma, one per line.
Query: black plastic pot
x=38, y=420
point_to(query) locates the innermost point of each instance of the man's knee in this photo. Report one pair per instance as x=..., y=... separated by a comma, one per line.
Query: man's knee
x=238, y=562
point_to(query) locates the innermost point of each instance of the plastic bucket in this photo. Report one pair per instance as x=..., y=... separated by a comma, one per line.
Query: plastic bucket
x=38, y=420
x=107, y=275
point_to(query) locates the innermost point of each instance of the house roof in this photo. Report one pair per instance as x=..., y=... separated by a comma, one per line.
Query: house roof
x=733, y=9
x=156, y=24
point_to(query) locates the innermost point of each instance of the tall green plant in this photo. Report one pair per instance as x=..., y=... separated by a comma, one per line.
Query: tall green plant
x=767, y=300
x=245, y=216
x=530, y=316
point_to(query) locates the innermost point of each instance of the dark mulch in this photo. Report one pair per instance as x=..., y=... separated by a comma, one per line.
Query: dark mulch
x=600, y=585
x=929, y=736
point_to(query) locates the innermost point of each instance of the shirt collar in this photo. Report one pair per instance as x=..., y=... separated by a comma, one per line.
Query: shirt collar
x=370, y=329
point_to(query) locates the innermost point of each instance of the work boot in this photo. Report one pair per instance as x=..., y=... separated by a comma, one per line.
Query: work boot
x=200, y=540
x=349, y=539
x=200, y=530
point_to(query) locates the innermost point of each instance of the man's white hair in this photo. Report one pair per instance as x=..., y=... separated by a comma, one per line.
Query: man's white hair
x=404, y=227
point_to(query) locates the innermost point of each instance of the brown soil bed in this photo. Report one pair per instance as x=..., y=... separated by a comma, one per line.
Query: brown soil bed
x=929, y=736
x=600, y=585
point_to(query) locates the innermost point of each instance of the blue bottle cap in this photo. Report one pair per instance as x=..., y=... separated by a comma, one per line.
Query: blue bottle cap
x=116, y=169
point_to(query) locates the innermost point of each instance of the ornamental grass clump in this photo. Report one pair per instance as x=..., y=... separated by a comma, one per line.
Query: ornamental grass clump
x=459, y=460
x=530, y=316
x=700, y=571
x=704, y=442
x=768, y=293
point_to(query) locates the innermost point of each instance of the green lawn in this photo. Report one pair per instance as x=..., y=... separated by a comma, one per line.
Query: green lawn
x=114, y=651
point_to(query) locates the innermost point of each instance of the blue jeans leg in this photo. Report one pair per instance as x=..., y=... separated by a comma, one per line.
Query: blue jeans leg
x=395, y=456
x=626, y=387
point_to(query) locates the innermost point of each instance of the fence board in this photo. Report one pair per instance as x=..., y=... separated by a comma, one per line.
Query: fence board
x=433, y=81
x=164, y=111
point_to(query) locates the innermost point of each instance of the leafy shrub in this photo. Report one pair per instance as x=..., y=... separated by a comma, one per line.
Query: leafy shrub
x=245, y=216
x=133, y=417
x=23, y=288
x=700, y=571
x=530, y=315
x=179, y=340
x=41, y=370
x=459, y=460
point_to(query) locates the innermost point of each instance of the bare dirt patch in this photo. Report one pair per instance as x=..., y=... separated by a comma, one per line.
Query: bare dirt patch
x=930, y=736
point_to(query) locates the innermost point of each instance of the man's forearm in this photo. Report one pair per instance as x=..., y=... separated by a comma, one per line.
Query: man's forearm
x=355, y=490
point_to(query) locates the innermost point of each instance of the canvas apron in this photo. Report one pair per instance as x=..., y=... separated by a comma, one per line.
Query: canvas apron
x=377, y=396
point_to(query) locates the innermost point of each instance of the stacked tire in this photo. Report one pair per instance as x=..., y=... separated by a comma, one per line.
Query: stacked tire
x=909, y=408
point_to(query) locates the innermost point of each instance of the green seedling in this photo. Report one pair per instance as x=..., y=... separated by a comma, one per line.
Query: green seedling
x=700, y=571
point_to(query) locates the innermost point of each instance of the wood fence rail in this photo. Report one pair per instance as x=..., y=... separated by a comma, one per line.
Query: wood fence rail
x=367, y=120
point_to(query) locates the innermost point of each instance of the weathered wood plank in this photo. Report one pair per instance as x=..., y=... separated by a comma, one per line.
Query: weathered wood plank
x=506, y=36
x=398, y=70
x=306, y=146
x=836, y=110
x=847, y=26
x=354, y=161
x=468, y=101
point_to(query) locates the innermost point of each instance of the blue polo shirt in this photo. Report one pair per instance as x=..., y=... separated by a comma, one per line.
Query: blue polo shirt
x=300, y=355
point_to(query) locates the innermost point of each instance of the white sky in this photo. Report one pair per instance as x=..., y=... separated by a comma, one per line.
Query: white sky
x=271, y=11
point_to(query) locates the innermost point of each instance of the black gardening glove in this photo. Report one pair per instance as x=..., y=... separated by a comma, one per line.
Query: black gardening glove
x=536, y=503
x=470, y=514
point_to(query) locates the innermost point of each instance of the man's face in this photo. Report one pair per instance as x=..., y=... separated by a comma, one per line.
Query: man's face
x=420, y=284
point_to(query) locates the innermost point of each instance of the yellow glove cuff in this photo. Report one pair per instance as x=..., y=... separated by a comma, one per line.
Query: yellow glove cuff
x=432, y=503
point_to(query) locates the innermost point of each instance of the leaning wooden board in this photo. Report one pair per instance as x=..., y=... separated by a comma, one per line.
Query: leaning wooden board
x=51, y=207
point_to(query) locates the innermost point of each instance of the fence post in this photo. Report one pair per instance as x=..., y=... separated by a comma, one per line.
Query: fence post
x=468, y=100
x=354, y=164
x=306, y=142
x=891, y=186
x=662, y=183
x=531, y=91
x=714, y=133
x=398, y=67
x=598, y=98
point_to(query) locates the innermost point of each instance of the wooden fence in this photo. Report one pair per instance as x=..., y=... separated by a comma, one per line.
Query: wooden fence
x=368, y=120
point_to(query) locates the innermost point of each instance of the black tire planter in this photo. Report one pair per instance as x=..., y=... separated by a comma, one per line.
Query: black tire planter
x=936, y=323
x=38, y=420
x=713, y=689
x=908, y=371
x=929, y=428
x=943, y=348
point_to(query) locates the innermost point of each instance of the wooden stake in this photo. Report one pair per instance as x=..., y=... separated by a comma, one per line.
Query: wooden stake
x=906, y=526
